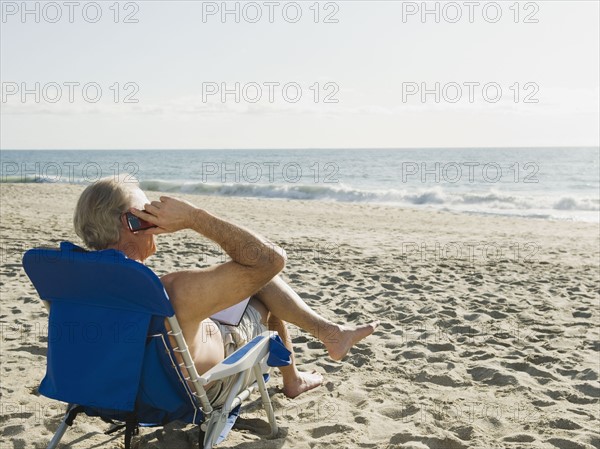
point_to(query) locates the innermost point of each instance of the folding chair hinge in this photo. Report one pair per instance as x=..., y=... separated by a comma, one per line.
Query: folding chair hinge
x=204, y=426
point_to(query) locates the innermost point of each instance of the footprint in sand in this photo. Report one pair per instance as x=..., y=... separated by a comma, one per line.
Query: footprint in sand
x=313, y=344
x=543, y=359
x=358, y=360
x=541, y=376
x=477, y=355
x=425, y=442
x=329, y=367
x=363, y=349
x=588, y=390
x=386, y=326
x=519, y=438
x=395, y=413
x=559, y=395
x=440, y=347
x=563, y=443
x=361, y=420
x=11, y=431
x=563, y=423
x=411, y=354
x=492, y=376
x=445, y=380
x=320, y=432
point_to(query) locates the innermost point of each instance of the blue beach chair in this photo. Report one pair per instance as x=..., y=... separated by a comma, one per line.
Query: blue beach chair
x=109, y=353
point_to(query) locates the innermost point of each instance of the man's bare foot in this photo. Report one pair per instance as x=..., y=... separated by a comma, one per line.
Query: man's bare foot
x=300, y=383
x=339, y=342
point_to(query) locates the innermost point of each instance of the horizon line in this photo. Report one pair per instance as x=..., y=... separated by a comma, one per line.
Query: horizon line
x=311, y=148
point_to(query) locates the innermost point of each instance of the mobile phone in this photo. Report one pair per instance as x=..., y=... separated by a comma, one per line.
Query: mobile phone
x=136, y=223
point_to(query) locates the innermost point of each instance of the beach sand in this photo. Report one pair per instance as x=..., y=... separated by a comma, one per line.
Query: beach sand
x=489, y=333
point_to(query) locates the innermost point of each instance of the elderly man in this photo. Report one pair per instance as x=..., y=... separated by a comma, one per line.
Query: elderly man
x=197, y=294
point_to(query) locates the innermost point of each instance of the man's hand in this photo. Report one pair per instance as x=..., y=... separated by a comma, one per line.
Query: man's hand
x=169, y=214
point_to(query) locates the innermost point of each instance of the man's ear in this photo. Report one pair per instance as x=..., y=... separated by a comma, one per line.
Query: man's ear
x=124, y=221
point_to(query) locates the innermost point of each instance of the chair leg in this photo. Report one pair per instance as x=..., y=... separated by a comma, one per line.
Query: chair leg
x=216, y=423
x=70, y=415
x=209, y=436
x=201, y=436
x=58, y=435
x=266, y=400
x=131, y=428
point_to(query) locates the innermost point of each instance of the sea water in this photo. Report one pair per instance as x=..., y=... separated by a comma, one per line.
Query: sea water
x=544, y=183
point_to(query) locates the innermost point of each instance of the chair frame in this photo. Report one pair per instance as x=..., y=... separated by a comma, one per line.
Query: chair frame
x=249, y=357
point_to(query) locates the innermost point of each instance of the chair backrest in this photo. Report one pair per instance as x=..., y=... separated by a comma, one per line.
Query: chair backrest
x=103, y=309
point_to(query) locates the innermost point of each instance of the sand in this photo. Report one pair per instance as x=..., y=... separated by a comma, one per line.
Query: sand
x=489, y=333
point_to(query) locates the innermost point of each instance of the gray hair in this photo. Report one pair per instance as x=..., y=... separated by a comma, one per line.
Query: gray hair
x=97, y=217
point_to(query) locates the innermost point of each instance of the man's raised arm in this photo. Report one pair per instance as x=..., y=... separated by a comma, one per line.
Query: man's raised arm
x=242, y=245
x=199, y=293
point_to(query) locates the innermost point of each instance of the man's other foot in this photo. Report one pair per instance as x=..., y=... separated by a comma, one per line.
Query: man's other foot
x=301, y=383
x=341, y=340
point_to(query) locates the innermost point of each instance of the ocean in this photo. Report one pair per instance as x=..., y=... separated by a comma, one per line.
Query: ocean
x=540, y=183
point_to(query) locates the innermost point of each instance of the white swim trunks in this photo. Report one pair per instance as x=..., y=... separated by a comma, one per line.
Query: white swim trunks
x=234, y=337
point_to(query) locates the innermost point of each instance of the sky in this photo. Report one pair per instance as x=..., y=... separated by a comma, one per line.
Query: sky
x=343, y=74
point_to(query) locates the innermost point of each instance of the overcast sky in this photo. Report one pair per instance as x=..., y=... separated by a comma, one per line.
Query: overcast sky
x=361, y=70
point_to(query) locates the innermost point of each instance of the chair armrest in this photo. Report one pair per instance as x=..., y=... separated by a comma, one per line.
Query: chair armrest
x=241, y=360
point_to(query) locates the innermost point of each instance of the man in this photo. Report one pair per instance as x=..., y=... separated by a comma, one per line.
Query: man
x=197, y=294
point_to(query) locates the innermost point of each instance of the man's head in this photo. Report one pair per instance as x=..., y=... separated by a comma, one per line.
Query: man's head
x=99, y=219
